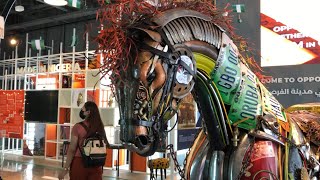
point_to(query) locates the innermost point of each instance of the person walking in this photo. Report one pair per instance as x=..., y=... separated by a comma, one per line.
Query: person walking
x=74, y=163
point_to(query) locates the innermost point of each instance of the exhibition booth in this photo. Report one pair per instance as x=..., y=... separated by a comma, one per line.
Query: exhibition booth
x=41, y=98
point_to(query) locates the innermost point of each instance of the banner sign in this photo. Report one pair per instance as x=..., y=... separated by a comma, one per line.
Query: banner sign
x=11, y=113
x=50, y=68
x=1, y=27
x=290, y=51
x=289, y=36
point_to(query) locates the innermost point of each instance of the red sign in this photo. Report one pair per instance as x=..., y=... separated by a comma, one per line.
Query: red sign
x=289, y=36
x=11, y=113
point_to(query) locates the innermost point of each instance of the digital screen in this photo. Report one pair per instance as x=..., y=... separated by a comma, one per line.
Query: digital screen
x=289, y=32
x=41, y=106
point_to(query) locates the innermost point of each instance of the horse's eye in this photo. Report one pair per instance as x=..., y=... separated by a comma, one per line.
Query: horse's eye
x=151, y=77
x=136, y=72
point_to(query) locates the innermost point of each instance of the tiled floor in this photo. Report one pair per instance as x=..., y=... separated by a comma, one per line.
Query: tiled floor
x=15, y=167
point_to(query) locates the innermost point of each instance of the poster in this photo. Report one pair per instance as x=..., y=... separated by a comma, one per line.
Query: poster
x=187, y=113
x=78, y=98
x=186, y=138
x=49, y=81
x=11, y=113
x=290, y=50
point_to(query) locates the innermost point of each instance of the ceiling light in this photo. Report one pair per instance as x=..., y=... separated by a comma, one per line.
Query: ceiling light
x=19, y=8
x=56, y=2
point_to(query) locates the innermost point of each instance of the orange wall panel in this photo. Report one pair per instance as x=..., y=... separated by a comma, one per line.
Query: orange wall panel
x=138, y=163
x=51, y=149
x=108, y=162
x=11, y=113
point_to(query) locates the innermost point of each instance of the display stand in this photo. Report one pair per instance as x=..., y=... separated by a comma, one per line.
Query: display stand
x=117, y=147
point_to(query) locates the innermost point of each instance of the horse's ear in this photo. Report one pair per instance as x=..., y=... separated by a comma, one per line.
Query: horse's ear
x=152, y=34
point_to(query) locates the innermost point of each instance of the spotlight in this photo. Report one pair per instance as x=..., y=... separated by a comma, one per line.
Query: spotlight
x=56, y=2
x=13, y=42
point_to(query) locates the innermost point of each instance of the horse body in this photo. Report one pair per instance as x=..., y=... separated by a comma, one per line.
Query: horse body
x=245, y=132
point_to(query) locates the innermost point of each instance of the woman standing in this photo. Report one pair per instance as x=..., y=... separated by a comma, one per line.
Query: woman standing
x=74, y=164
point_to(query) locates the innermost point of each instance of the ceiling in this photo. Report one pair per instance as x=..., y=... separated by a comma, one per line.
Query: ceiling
x=37, y=14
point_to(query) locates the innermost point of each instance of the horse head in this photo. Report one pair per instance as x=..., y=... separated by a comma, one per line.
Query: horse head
x=149, y=98
x=162, y=69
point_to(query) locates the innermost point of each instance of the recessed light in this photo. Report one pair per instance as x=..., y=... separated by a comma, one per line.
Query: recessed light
x=56, y=2
x=19, y=8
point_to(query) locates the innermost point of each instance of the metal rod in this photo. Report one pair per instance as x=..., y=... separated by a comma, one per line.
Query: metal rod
x=5, y=19
x=15, y=68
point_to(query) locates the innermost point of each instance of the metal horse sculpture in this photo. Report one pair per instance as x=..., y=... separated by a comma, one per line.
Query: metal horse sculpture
x=177, y=51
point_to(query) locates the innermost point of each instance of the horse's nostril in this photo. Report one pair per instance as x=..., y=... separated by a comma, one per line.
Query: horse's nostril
x=142, y=141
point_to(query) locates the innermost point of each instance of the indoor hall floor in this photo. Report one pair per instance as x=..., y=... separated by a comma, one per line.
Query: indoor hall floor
x=25, y=168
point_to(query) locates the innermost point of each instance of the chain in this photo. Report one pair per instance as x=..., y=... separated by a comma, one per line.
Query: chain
x=174, y=157
x=176, y=163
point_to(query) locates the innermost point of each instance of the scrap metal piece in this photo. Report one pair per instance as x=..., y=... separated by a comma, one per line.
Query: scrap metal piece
x=196, y=30
x=210, y=38
x=304, y=174
x=219, y=38
x=216, y=165
x=173, y=34
x=210, y=32
x=206, y=31
x=297, y=134
x=263, y=135
x=202, y=32
x=236, y=158
x=154, y=35
x=189, y=36
x=177, y=31
x=213, y=37
x=199, y=30
x=216, y=35
x=271, y=125
x=166, y=31
x=179, y=28
x=193, y=27
x=164, y=18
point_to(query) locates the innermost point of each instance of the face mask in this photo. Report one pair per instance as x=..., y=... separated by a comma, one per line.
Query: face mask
x=81, y=114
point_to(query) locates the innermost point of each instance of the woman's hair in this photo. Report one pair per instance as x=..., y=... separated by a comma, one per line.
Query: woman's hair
x=94, y=119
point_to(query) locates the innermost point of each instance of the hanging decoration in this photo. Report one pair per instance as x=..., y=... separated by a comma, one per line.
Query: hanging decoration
x=238, y=8
x=37, y=44
x=74, y=3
